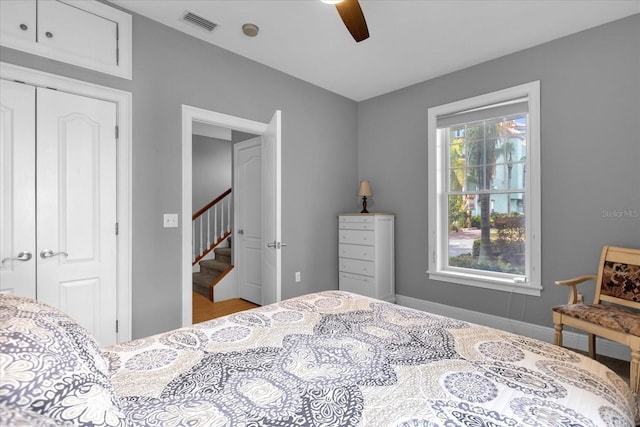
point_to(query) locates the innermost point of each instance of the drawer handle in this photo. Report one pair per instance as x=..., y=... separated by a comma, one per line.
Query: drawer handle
x=24, y=27
x=355, y=278
x=49, y=34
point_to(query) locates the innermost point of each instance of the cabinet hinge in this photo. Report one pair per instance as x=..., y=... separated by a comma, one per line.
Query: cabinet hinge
x=117, y=132
x=117, y=228
x=117, y=45
x=116, y=326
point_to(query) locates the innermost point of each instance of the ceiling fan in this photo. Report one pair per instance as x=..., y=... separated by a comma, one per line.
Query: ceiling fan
x=353, y=18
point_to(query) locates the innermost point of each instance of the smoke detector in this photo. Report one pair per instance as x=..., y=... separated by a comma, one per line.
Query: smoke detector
x=250, y=30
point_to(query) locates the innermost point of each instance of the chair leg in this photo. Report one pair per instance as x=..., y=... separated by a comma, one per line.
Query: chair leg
x=558, y=335
x=592, y=346
x=557, y=326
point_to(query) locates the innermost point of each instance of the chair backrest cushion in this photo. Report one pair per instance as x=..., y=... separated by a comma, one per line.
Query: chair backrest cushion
x=621, y=281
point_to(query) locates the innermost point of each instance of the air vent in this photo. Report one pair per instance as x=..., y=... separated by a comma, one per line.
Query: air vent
x=199, y=21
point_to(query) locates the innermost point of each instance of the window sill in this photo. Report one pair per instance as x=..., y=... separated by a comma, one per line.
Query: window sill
x=497, y=284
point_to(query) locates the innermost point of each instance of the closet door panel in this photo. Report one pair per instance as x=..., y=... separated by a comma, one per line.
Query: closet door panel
x=76, y=213
x=17, y=189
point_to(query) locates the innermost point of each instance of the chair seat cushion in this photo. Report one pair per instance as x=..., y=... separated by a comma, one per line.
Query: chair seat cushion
x=611, y=317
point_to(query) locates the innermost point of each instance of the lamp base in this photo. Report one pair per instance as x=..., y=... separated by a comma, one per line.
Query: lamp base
x=364, y=205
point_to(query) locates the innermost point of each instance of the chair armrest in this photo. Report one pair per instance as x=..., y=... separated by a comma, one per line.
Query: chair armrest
x=573, y=292
x=576, y=280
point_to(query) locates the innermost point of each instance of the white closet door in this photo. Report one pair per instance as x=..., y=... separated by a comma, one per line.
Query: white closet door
x=76, y=209
x=17, y=189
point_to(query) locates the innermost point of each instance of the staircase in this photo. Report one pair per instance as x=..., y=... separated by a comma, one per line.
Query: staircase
x=212, y=271
x=211, y=226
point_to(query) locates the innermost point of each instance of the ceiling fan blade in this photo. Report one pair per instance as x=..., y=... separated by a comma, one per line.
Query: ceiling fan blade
x=353, y=18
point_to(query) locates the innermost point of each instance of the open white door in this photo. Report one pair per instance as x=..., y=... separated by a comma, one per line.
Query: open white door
x=247, y=242
x=271, y=217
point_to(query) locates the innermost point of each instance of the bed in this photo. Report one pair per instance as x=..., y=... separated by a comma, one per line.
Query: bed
x=324, y=359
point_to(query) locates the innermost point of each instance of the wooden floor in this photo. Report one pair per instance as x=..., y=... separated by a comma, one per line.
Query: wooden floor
x=203, y=309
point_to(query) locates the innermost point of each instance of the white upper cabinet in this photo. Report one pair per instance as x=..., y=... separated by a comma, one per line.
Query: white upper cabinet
x=17, y=21
x=84, y=33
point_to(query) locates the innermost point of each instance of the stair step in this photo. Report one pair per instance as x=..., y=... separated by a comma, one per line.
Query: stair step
x=201, y=282
x=223, y=254
x=213, y=266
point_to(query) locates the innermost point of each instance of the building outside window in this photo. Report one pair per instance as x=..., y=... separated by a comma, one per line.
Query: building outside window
x=484, y=191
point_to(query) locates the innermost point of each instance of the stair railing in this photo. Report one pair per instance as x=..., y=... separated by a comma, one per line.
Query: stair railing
x=211, y=225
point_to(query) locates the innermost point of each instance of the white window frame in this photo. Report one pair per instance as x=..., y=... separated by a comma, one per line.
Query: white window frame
x=531, y=282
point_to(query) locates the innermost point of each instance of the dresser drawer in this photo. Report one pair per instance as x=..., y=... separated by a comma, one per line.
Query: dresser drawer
x=356, y=251
x=356, y=266
x=356, y=237
x=356, y=225
x=362, y=285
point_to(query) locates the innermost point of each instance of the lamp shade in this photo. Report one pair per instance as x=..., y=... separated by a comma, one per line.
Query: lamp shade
x=365, y=189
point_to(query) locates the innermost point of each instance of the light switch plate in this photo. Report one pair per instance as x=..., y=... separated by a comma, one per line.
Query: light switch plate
x=170, y=220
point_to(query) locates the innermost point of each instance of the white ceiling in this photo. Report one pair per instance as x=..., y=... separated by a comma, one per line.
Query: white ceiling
x=411, y=40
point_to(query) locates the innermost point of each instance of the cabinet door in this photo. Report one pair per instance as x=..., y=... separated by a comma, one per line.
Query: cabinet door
x=18, y=21
x=17, y=189
x=79, y=35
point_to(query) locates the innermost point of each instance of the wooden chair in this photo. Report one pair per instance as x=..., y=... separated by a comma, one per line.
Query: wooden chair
x=615, y=312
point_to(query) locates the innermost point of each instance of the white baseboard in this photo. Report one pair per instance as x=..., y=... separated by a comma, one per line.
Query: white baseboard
x=542, y=333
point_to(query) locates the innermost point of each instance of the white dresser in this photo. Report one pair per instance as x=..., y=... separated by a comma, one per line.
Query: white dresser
x=366, y=254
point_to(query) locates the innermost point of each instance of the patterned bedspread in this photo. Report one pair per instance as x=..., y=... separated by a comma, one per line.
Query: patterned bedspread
x=339, y=359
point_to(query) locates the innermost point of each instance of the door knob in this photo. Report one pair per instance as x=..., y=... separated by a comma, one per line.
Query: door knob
x=276, y=245
x=48, y=253
x=22, y=256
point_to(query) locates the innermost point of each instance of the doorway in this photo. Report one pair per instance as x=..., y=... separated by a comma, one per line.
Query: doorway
x=270, y=135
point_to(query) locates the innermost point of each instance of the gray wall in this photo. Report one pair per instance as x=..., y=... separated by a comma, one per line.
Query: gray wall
x=590, y=154
x=319, y=152
x=210, y=169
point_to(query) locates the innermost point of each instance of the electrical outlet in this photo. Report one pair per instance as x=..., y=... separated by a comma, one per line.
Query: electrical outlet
x=170, y=220
x=297, y=276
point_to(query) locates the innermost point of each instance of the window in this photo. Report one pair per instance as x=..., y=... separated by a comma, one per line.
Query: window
x=484, y=190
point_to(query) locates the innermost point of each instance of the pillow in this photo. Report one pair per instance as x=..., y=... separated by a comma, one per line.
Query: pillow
x=52, y=367
x=22, y=417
